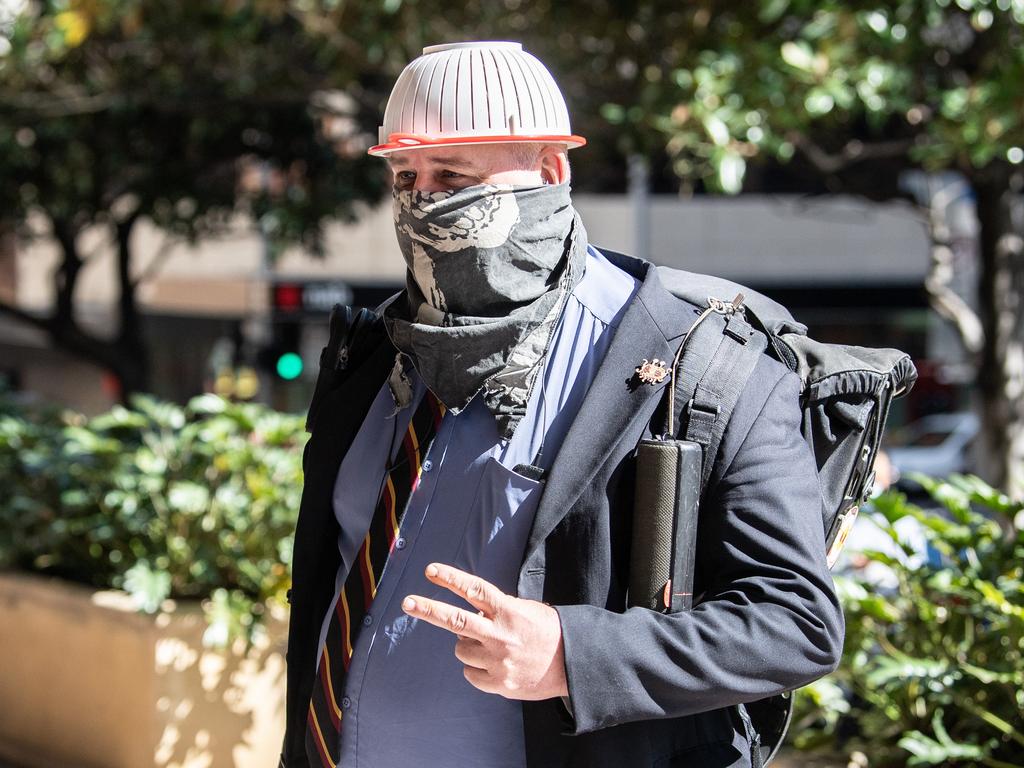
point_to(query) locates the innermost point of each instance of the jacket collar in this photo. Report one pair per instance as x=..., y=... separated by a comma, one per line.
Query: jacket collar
x=667, y=311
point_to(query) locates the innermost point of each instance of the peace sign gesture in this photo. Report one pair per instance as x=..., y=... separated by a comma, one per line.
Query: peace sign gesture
x=511, y=647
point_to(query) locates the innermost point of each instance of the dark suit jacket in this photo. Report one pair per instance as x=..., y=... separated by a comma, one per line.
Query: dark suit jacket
x=646, y=689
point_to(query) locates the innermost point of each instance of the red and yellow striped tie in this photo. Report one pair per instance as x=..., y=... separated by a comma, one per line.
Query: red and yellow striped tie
x=323, y=742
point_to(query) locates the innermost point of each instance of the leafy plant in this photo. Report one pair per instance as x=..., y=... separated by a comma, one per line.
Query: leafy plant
x=933, y=668
x=160, y=500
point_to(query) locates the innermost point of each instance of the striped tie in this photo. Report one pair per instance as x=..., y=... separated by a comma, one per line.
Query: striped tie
x=323, y=743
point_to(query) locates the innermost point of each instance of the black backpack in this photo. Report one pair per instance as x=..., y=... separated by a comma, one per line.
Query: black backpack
x=845, y=400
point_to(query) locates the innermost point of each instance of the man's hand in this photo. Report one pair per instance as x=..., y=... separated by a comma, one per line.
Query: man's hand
x=512, y=647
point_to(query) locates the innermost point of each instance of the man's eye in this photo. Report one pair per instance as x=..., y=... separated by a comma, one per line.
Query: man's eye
x=456, y=180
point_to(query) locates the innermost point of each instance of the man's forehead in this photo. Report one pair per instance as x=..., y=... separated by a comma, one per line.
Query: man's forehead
x=441, y=157
x=474, y=156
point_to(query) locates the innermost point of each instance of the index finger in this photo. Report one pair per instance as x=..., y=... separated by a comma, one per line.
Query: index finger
x=479, y=593
x=458, y=621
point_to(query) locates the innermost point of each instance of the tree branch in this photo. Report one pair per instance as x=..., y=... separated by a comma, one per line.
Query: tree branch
x=153, y=268
x=70, y=338
x=41, y=323
x=48, y=106
x=37, y=106
x=853, y=152
x=950, y=306
x=942, y=270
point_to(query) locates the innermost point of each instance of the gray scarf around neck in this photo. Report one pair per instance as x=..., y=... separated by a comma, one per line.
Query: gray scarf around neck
x=490, y=268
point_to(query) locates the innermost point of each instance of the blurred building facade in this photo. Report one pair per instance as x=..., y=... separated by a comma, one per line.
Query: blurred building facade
x=853, y=270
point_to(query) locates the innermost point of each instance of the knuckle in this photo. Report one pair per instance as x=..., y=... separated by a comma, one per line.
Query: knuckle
x=505, y=640
x=457, y=621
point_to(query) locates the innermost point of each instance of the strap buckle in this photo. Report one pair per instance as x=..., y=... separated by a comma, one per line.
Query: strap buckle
x=726, y=307
x=700, y=421
x=709, y=409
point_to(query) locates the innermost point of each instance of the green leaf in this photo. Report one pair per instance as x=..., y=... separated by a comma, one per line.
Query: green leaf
x=827, y=694
x=818, y=102
x=881, y=557
x=942, y=749
x=717, y=130
x=798, y=54
x=229, y=615
x=893, y=506
x=928, y=751
x=118, y=418
x=880, y=608
x=988, y=676
x=188, y=497
x=207, y=404
x=771, y=10
x=731, y=168
x=995, y=597
x=888, y=669
x=149, y=587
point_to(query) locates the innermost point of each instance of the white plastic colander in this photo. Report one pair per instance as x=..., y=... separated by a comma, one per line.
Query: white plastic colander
x=471, y=93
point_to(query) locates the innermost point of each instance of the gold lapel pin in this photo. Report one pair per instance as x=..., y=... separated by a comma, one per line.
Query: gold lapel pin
x=652, y=372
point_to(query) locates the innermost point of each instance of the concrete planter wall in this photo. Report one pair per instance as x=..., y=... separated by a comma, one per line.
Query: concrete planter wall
x=87, y=682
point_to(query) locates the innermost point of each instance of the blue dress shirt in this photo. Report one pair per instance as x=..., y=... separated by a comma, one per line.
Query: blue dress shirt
x=406, y=701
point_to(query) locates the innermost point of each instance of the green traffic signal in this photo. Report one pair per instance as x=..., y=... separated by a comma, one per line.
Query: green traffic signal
x=289, y=366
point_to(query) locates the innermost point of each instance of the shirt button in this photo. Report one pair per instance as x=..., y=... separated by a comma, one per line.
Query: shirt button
x=346, y=703
x=428, y=465
x=367, y=620
x=399, y=543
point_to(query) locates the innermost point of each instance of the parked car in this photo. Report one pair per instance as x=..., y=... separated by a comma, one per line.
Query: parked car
x=936, y=445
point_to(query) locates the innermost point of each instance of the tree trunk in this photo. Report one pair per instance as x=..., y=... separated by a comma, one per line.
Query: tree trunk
x=66, y=276
x=132, y=356
x=8, y=264
x=1001, y=375
x=125, y=356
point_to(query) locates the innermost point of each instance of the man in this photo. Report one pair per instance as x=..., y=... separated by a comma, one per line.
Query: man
x=462, y=552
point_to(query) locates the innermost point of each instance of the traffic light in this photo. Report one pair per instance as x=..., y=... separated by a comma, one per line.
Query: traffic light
x=289, y=366
x=283, y=355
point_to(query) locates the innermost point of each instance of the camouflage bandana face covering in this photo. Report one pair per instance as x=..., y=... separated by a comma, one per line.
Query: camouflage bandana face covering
x=490, y=268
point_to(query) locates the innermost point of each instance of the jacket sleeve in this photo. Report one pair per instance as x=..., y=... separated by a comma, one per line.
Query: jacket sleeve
x=768, y=619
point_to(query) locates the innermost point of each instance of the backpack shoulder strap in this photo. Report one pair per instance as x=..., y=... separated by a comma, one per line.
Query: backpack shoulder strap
x=353, y=332
x=714, y=362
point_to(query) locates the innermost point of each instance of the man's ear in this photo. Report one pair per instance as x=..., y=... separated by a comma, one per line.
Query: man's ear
x=554, y=164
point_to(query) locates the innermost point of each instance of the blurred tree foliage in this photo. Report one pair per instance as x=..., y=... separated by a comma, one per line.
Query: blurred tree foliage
x=183, y=113
x=933, y=667
x=854, y=94
x=197, y=502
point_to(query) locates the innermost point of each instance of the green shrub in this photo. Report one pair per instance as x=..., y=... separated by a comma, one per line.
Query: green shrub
x=933, y=668
x=159, y=500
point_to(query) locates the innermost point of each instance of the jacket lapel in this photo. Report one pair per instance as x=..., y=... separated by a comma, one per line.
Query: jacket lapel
x=617, y=404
